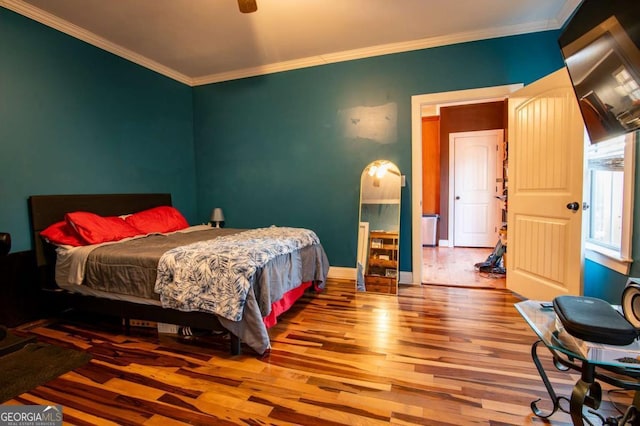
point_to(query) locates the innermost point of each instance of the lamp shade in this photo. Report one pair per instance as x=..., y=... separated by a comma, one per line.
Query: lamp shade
x=217, y=215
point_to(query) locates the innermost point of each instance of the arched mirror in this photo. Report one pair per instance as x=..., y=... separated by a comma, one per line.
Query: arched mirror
x=379, y=228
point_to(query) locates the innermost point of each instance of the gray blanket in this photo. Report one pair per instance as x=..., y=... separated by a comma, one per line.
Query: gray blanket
x=130, y=268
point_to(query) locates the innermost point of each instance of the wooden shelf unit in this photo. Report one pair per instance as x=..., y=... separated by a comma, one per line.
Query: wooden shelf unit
x=382, y=264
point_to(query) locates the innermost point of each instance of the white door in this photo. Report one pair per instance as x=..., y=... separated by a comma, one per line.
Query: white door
x=475, y=206
x=546, y=146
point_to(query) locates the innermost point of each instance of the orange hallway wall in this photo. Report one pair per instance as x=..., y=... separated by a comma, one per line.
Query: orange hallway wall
x=431, y=165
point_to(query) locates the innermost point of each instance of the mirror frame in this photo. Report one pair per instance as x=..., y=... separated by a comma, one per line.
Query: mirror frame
x=380, y=245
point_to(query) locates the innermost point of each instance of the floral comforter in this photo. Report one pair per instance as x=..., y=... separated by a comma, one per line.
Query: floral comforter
x=215, y=275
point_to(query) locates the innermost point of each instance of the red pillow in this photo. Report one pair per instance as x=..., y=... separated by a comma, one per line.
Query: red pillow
x=95, y=229
x=158, y=219
x=61, y=233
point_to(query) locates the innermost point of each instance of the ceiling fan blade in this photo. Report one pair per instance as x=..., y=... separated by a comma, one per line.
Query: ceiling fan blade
x=247, y=6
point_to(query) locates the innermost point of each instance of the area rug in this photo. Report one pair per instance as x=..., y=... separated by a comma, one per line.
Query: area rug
x=34, y=365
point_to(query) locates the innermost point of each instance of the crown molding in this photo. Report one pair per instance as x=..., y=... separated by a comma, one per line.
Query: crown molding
x=80, y=33
x=75, y=31
x=384, y=49
x=567, y=10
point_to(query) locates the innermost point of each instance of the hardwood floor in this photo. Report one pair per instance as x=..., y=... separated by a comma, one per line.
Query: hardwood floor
x=455, y=267
x=433, y=355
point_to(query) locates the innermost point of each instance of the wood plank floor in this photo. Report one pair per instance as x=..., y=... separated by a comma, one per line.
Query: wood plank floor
x=454, y=266
x=434, y=355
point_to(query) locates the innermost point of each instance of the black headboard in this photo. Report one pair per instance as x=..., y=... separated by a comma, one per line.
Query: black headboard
x=45, y=210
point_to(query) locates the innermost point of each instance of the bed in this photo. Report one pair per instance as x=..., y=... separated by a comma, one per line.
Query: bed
x=147, y=290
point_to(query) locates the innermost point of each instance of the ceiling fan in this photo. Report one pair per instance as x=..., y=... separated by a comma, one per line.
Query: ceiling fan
x=247, y=6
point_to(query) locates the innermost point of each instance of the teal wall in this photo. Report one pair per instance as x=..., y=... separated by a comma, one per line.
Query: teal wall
x=603, y=282
x=272, y=149
x=268, y=149
x=381, y=217
x=76, y=119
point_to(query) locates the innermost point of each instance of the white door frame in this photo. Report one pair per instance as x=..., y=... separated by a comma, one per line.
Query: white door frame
x=434, y=101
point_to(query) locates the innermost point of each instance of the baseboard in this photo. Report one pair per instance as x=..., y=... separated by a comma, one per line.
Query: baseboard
x=444, y=243
x=343, y=273
x=406, y=277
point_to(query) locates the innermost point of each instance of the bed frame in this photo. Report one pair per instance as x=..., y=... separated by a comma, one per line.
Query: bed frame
x=45, y=210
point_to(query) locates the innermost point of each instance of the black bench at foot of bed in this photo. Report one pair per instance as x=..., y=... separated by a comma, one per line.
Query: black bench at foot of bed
x=62, y=300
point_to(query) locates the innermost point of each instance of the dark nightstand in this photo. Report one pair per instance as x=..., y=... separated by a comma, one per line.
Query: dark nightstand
x=8, y=342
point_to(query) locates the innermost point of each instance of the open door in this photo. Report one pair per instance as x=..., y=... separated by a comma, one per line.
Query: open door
x=546, y=146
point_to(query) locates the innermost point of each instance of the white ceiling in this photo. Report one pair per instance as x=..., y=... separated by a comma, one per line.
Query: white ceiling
x=204, y=41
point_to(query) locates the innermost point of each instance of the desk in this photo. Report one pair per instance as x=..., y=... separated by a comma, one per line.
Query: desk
x=587, y=390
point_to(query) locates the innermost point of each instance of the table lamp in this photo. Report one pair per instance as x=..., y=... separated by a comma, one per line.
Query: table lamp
x=217, y=216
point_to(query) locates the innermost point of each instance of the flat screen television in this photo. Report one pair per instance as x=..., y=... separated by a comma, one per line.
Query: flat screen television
x=600, y=44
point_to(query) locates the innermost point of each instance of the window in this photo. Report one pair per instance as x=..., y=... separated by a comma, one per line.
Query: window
x=609, y=182
x=628, y=86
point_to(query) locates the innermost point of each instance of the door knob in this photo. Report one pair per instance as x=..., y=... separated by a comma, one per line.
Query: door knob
x=457, y=198
x=573, y=206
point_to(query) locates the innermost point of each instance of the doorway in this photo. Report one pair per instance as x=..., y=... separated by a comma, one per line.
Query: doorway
x=449, y=266
x=435, y=101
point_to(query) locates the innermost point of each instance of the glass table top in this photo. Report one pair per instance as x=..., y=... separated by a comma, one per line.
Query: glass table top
x=544, y=323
